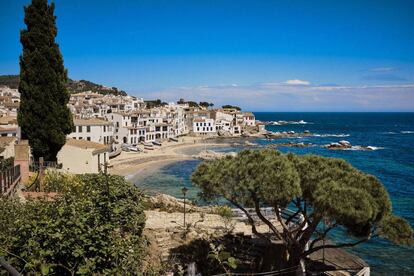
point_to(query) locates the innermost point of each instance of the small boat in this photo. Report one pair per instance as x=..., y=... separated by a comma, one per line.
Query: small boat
x=156, y=143
x=134, y=149
x=148, y=146
x=173, y=139
x=115, y=153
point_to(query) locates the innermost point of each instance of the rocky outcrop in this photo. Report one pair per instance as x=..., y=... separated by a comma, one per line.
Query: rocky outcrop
x=346, y=145
x=212, y=155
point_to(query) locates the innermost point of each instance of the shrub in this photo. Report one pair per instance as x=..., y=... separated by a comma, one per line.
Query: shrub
x=93, y=228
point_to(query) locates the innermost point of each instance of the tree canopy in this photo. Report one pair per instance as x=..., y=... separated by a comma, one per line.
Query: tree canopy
x=154, y=103
x=206, y=104
x=319, y=189
x=93, y=226
x=43, y=116
x=228, y=106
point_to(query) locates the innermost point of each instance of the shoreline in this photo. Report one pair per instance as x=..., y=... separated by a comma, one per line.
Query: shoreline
x=131, y=164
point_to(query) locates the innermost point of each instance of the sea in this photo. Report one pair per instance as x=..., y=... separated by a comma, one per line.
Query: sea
x=391, y=138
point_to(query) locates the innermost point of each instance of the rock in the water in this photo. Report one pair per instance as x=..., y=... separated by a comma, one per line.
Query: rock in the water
x=345, y=143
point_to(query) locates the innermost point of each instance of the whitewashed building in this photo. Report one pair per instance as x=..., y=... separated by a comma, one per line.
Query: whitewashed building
x=9, y=126
x=249, y=119
x=94, y=130
x=204, y=127
x=82, y=156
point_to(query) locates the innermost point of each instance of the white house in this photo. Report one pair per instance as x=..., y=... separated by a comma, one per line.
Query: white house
x=7, y=147
x=9, y=126
x=121, y=123
x=82, y=156
x=94, y=130
x=204, y=126
x=249, y=119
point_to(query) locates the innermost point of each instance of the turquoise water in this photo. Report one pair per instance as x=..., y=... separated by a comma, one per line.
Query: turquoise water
x=392, y=163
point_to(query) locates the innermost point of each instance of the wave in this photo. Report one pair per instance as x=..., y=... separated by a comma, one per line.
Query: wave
x=282, y=123
x=367, y=148
x=407, y=132
x=331, y=135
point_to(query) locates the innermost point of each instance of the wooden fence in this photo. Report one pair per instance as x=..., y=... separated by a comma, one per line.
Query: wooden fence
x=8, y=179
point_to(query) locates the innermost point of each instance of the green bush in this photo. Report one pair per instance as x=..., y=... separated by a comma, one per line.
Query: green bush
x=92, y=229
x=226, y=214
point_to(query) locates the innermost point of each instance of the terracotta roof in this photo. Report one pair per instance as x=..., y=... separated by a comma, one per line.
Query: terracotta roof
x=91, y=122
x=199, y=119
x=89, y=94
x=5, y=120
x=8, y=129
x=248, y=114
x=11, y=104
x=85, y=144
x=6, y=140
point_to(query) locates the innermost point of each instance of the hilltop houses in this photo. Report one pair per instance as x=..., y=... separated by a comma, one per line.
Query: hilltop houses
x=9, y=126
x=104, y=123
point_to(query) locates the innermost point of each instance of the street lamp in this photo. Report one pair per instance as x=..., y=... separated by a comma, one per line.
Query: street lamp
x=184, y=190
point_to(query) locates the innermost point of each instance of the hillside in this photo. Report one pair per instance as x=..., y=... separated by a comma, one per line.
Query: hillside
x=73, y=86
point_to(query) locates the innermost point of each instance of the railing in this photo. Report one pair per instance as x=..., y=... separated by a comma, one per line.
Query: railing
x=8, y=179
x=269, y=213
x=36, y=165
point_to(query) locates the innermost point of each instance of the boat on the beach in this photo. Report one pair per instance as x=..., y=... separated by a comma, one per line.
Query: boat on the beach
x=173, y=139
x=115, y=153
x=157, y=143
x=148, y=146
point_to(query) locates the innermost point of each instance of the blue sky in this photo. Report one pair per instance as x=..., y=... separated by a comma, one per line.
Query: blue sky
x=275, y=55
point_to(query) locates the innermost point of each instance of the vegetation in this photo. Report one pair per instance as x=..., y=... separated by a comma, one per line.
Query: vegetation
x=224, y=258
x=227, y=106
x=190, y=103
x=321, y=190
x=206, y=104
x=84, y=85
x=6, y=164
x=43, y=116
x=94, y=226
x=226, y=214
x=72, y=86
x=155, y=103
x=11, y=81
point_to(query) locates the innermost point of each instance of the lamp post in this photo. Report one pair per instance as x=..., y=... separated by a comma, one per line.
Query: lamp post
x=184, y=191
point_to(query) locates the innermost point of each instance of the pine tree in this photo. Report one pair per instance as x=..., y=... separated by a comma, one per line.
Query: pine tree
x=44, y=117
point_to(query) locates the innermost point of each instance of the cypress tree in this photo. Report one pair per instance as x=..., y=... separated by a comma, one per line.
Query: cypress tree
x=43, y=116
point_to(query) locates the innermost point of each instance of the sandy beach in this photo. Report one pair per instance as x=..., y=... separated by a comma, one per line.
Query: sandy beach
x=144, y=163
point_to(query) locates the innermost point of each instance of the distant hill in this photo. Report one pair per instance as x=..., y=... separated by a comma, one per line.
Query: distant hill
x=11, y=81
x=73, y=86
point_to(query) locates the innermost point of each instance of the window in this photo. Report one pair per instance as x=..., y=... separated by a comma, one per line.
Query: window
x=88, y=129
x=80, y=138
x=88, y=138
x=79, y=128
x=104, y=128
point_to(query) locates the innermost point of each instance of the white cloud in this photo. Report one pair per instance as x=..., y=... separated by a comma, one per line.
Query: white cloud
x=383, y=69
x=297, y=82
x=283, y=97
